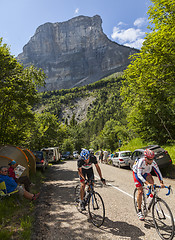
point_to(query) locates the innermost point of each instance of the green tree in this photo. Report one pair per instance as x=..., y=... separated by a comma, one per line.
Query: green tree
x=73, y=121
x=17, y=96
x=149, y=86
x=76, y=133
x=68, y=145
x=109, y=135
x=47, y=132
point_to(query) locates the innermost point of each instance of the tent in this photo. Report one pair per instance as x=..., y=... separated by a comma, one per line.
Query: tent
x=32, y=160
x=9, y=153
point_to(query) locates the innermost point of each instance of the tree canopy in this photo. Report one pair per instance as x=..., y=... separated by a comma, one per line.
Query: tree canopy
x=149, y=86
x=18, y=94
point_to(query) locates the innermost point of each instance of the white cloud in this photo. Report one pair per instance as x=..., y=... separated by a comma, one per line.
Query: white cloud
x=129, y=34
x=139, y=22
x=133, y=36
x=76, y=11
x=137, y=44
x=121, y=23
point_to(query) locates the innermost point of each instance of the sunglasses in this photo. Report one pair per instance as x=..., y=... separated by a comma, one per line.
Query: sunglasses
x=150, y=159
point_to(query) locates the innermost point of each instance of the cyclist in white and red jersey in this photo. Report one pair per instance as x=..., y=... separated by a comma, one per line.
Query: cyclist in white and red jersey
x=85, y=170
x=141, y=174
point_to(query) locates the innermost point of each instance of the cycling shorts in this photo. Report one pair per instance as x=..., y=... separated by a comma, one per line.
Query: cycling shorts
x=88, y=174
x=137, y=181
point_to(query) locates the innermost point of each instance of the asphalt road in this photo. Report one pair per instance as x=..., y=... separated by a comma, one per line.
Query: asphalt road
x=58, y=218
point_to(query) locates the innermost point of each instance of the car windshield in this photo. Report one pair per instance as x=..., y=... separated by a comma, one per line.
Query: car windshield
x=38, y=154
x=126, y=154
x=66, y=153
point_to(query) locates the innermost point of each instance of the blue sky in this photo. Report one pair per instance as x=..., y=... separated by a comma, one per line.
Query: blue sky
x=124, y=21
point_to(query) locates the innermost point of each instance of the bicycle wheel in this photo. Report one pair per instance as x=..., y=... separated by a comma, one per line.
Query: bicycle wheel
x=163, y=219
x=143, y=205
x=77, y=197
x=96, y=209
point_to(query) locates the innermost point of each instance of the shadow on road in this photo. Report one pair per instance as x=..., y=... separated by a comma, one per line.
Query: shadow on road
x=56, y=216
x=122, y=229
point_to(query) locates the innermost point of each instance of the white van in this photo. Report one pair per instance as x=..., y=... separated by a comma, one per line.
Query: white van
x=52, y=154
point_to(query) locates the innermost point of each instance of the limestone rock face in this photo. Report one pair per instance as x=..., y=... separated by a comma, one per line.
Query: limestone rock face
x=74, y=53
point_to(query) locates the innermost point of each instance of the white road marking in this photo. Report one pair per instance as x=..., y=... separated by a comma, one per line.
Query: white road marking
x=117, y=188
x=120, y=190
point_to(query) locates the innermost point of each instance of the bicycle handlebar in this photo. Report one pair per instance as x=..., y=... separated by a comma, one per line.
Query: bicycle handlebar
x=155, y=186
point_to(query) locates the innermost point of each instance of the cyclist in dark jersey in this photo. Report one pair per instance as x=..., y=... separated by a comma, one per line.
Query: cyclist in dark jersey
x=85, y=170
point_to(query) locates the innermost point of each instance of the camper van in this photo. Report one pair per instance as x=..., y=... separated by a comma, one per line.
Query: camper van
x=52, y=154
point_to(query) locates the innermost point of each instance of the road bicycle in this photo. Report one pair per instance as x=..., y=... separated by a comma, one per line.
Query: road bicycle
x=161, y=213
x=94, y=202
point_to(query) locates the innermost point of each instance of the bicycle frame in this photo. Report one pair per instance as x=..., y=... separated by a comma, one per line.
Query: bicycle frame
x=147, y=208
x=94, y=201
x=91, y=191
x=155, y=196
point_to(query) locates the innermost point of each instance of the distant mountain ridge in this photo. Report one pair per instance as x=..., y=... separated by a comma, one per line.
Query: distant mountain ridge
x=74, y=53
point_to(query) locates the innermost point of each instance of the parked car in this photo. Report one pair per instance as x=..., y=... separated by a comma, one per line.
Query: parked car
x=75, y=154
x=41, y=160
x=121, y=159
x=52, y=154
x=162, y=157
x=66, y=155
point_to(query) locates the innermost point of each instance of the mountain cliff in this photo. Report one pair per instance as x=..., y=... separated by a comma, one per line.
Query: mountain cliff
x=74, y=53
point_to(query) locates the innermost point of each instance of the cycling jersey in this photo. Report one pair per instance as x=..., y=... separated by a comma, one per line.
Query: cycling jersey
x=140, y=168
x=87, y=170
x=81, y=163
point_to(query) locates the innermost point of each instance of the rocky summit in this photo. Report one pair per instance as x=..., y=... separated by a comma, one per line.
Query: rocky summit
x=74, y=53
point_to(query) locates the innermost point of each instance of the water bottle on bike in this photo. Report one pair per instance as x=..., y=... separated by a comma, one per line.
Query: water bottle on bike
x=149, y=199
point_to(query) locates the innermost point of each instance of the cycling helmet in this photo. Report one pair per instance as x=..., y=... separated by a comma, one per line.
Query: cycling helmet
x=149, y=154
x=84, y=154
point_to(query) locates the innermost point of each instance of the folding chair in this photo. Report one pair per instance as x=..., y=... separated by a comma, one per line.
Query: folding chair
x=3, y=191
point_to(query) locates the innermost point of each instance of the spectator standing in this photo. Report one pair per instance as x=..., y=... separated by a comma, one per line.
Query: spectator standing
x=101, y=155
x=105, y=154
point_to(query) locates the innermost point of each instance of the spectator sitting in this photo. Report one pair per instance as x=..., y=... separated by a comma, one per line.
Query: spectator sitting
x=21, y=180
x=11, y=185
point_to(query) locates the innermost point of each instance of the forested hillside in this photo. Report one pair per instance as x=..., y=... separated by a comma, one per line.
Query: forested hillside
x=104, y=107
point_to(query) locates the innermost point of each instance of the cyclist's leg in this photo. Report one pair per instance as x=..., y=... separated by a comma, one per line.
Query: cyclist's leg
x=139, y=197
x=82, y=190
x=90, y=174
x=82, y=187
x=139, y=203
x=149, y=178
x=139, y=186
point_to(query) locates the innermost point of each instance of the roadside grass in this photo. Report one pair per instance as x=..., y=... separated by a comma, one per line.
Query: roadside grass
x=171, y=150
x=135, y=143
x=16, y=219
